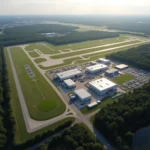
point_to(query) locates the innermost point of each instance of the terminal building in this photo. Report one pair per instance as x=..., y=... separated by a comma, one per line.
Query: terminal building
x=69, y=83
x=83, y=95
x=111, y=72
x=104, y=61
x=102, y=86
x=69, y=74
x=96, y=68
x=121, y=67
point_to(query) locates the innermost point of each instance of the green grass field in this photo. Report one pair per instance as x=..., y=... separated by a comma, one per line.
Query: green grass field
x=34, y=54
x=123, y=78
x=39, y=60
x=48, y=48
x=21, y=134
x=46, y=106
x=90, y=50
x=104, y=102
x=44, y=48
x=36, y=91
x=92, y=43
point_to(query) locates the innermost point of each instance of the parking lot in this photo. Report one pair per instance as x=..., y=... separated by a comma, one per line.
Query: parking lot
x=141, y=77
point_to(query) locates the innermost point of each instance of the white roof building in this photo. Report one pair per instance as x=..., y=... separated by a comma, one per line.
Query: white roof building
x=102, y=86
x=69, y=74
x=83, y=95
x=103, y=60
x=121, y=66
x=96, y=68
x=111, y=72
x=92, y=104
x=69, y=83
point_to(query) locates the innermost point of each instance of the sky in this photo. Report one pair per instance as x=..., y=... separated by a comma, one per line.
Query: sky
x=119, y=7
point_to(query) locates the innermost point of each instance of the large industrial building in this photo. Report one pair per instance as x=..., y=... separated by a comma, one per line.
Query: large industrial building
x=83, y=95
x=104, y=61
x=102, y=86
x=96, y=68
x=111, y=72
x=69, y=83
x=121, y=66
x=69, y=74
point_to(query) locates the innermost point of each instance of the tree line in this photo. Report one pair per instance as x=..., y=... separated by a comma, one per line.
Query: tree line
x=32, y=33
x=138, y=56
x=7, y=122
x=75, y=138
x=120, y=120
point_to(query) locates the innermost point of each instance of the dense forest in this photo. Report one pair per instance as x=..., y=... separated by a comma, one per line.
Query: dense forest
x=83, y=36
x=39, y=28
x=33, y=33
x=127, y=23
x=74, y=138
x=118, y=121
x=138, y=56
x=7, y=125
x=3, y=137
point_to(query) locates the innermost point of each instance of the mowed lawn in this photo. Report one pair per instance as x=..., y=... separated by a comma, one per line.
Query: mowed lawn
x=87, y=44
x=44, y=48
x=21, y=134
x=34, y=54
x=91, y=50
x=34, y=93
x=123, y=78
x=39, y=60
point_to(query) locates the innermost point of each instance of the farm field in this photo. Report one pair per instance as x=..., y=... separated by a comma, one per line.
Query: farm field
x=123, y=78
x=36, y=89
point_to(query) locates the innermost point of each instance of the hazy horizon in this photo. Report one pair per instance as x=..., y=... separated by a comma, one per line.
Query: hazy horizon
x=75, y=7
